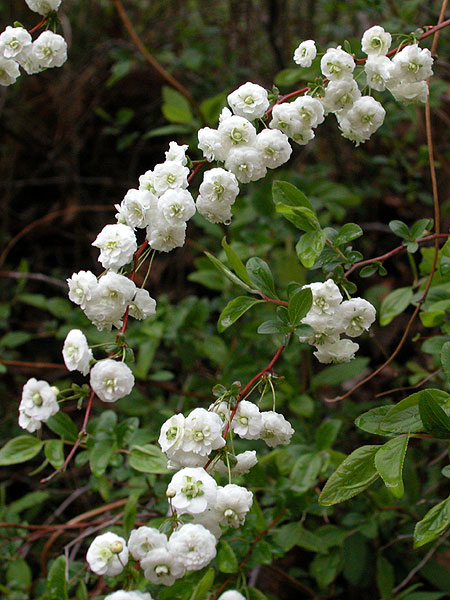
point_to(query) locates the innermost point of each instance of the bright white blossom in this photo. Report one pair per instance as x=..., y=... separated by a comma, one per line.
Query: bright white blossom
x=142, y=305
x=147, y=182
x=111, y=380
x=309, y=110
x=192, y=490
x=356, y=316
x=76, y=352
x=43, y=7
x=202, y=432
x=219, y=185
x=336, y=352
x=246, y=163
x=171, y=435
x=232, y=504
x=50, y=49
x=170, y=175
x=177, y=206
x=378, y=71
x=131, y=595
x=9, y=71
x=247, y=421
x=210, y=143
x=82, y=286
x=274, y=147
x=340, y=95
x=249, y=100
x=305, y=53
x=275, y=429
x=162, y=566
x=163, y=236
x=326, y=297
x=109, y=300
x=108, y=554
x=409, y=93
x=362, y=119
x=13, y=41
x=194, y=545
x=230, y=595
x=38, y=404
x=376, y=41
x=236, y=131
x=337, y=64
x=145, y=539
x=117, y=244
x=136, y=208
x=177, y=153
x=245, y=461
x=412, y=64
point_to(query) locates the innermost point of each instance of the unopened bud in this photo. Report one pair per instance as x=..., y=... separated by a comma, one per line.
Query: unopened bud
x=116, y=547
x=171, y=493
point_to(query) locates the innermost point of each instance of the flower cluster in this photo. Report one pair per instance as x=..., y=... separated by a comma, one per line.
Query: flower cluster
x=330, y=317
x=163, y=560
x=17, y=48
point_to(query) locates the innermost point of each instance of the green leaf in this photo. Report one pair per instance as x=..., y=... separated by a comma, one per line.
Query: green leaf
x=236, y=263
x=325, y=568
x=18, y=574
x=288, y=77
x=234, y=310
x=299, y=305
x=327, y=433
x=336, y=374
x=62, y=425
x=82, y=592
x=385, y=577
x=261, y=276
x=255, y=594
x=370, y=421
x=389, y=463
x=13, y=339
x=294, y=534
x=56, y=581
x=309, y=247
x=204, y=585
x=99, y=456
x=419, y=228
x=433, y=417
x=404, y=417
x=229, y=274
x=394, y=304
x=54, y=453
x=19, y=450
x=356, y=473
x=303, y=218
x=273, y=326
x=445, y=359
x=347, y=233
x=148, y=459
x=434, y=523
x=129, y=513
x=305, y=472
x=286, y=193
x=400, y=229
x=226, y=558
x=175, y=108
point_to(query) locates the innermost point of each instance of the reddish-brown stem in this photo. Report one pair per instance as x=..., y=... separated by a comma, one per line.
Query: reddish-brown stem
x=132, y=277
x=282, y=99
x=196, y=169
x=273, y=301
x=33, y=365
x=393, y=252
x=38, y=26
x=81, y=434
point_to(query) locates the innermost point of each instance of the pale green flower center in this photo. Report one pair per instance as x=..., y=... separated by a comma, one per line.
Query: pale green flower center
x=192, y=488
x=162, y=570
x=249, y=99
x=172, y=433
x=37, y=399
x=171, y=178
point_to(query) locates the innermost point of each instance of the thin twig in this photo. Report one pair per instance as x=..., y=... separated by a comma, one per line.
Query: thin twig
x=409, y=387
x=36, y=276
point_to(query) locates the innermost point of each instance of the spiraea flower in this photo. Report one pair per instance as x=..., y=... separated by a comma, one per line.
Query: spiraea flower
x=177, y=153
x=249, y=100
x=131, y=595
x=202, y=432
x=192, y=490
x=412, y=64
x=82, y=286
x=246, y=163
x=337, y=64
x=117, y=244
x=38, y=404
x=210, y=143
x=194, y=545
x=336, y=351
x=135, y=210
x=76, y=352
x=275, y=429
x=162, y=566
x=232, y=504
x=9, y=71
x=13, y=41
x=362, y=119
x=274, y=147
x=376, y=41
x=170, y=175
x=108, y=554
x=143, y=540
x=357, y=316
x=111, y=380
x=177, y=206
x=142, y=305
x=305, y=53
x=230, y=595
x=43, y=7
x=236, y=131
x=340, y=95
x=50, y=49
x=247, y=421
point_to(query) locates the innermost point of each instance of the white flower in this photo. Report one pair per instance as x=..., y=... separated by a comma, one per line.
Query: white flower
x=214, y=212
x=111, y=380
x=305, y=53
x=170, y=175
x=131, y=595
x=409, y=92
x=29, y=62
x=210, y=143
x=13, y=41
x=362, y=120
x=274, y=147
x=177, y=153
x=179, y=458
x=326, y=297
x=136, y=208
x=340, y=95
x=142, y=305
x=171, y=435
x=209, y=519
x=310, y=111
x=108, y=554
x=9, y=71
x=275, y=429
x=245, y=461
x=162, y=567
x=117, y=244
x=163, y=236
x=82, y=286
x=194, y=545
x=236, y=131
x=76, y=352
x=202, y=432
x=336, y=352
x=246, y=163
x=38, y=404
x=192, y=490
x=147, y=182
x=412, y=64
x=356, y=315
x=230, y=595
x=225, y=113
x=287, y=119
x=327, y=327
x=232, y=504
x=219, y=185
x=222, y=409
x=376, y=41
x=109, y=300
x=378, y=70
x=337, y=64
x=247, y=421
x=249, y=101
x=50, y=49
x=145, y=539
x=43, y=7
x=177, y=206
